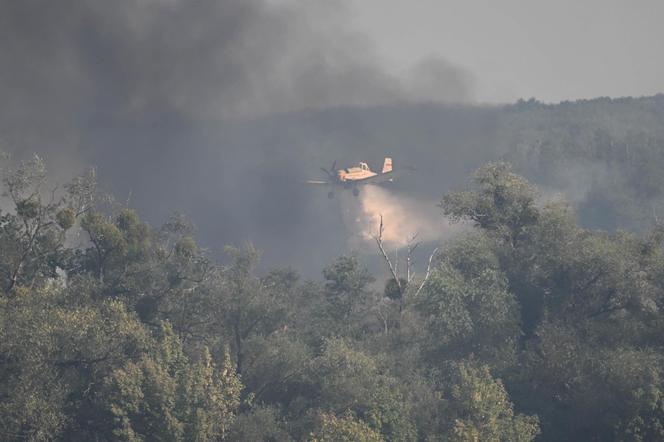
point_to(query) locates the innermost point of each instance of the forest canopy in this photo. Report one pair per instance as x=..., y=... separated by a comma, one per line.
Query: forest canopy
x=526, y=326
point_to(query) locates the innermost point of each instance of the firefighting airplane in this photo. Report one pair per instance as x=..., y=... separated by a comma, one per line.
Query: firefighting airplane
x=351, y=177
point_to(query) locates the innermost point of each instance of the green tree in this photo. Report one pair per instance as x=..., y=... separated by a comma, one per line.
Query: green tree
x=246, y=304
x=55, y=352
x=469, y=315
x=260, y=424
x=344, y=379
x=166, y=397
x=344, y=429
x=480, y=410
x=31, y=238
x=503, y=202
x=347, y=294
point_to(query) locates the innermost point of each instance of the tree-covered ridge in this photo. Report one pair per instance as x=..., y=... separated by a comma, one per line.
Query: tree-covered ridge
x=528, y=326
x=606, y=154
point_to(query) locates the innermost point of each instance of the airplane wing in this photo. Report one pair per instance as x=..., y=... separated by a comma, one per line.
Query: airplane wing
x=387, y=176
x=316, y=182
x=380, y=178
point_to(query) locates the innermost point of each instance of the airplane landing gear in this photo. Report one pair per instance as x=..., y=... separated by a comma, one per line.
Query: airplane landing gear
x=356, y=191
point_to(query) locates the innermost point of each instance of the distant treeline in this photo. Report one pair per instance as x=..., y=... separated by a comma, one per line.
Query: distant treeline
x=527, y=326
x=605, y=155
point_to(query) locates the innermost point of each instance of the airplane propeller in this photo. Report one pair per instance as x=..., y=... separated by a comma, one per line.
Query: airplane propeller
x=332, y=172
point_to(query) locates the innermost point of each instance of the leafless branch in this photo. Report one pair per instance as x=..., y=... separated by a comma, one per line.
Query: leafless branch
x=411, y=246
x=396, y=261
x=428, y=273
x=379, y=242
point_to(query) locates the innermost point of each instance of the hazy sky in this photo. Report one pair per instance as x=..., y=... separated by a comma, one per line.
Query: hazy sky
x=552, y=50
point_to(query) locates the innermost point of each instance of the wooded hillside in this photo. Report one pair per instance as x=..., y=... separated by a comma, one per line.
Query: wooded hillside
x=527, y=326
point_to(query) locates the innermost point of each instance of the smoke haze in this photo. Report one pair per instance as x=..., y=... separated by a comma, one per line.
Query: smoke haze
x=220, y=109
x=161, y=96
x=405, y=218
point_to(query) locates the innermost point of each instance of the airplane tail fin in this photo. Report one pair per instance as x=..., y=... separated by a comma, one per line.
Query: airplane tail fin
x=387, y=165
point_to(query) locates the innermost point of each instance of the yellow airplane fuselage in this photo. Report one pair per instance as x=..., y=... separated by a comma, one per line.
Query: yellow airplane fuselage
x=358, y=173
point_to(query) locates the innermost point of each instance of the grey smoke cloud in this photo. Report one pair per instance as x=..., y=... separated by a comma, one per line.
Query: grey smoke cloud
x=435, y=79
x=161, y=96
x=406, y=219
x=220, y=109
x=202, y=59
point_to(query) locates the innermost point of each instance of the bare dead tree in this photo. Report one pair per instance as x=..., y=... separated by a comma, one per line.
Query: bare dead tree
x=428, y=272
x=23, y=186
x=410, y=249
x=379, y=241
x=382, y=311
x=411, y=246
x=654, y=214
